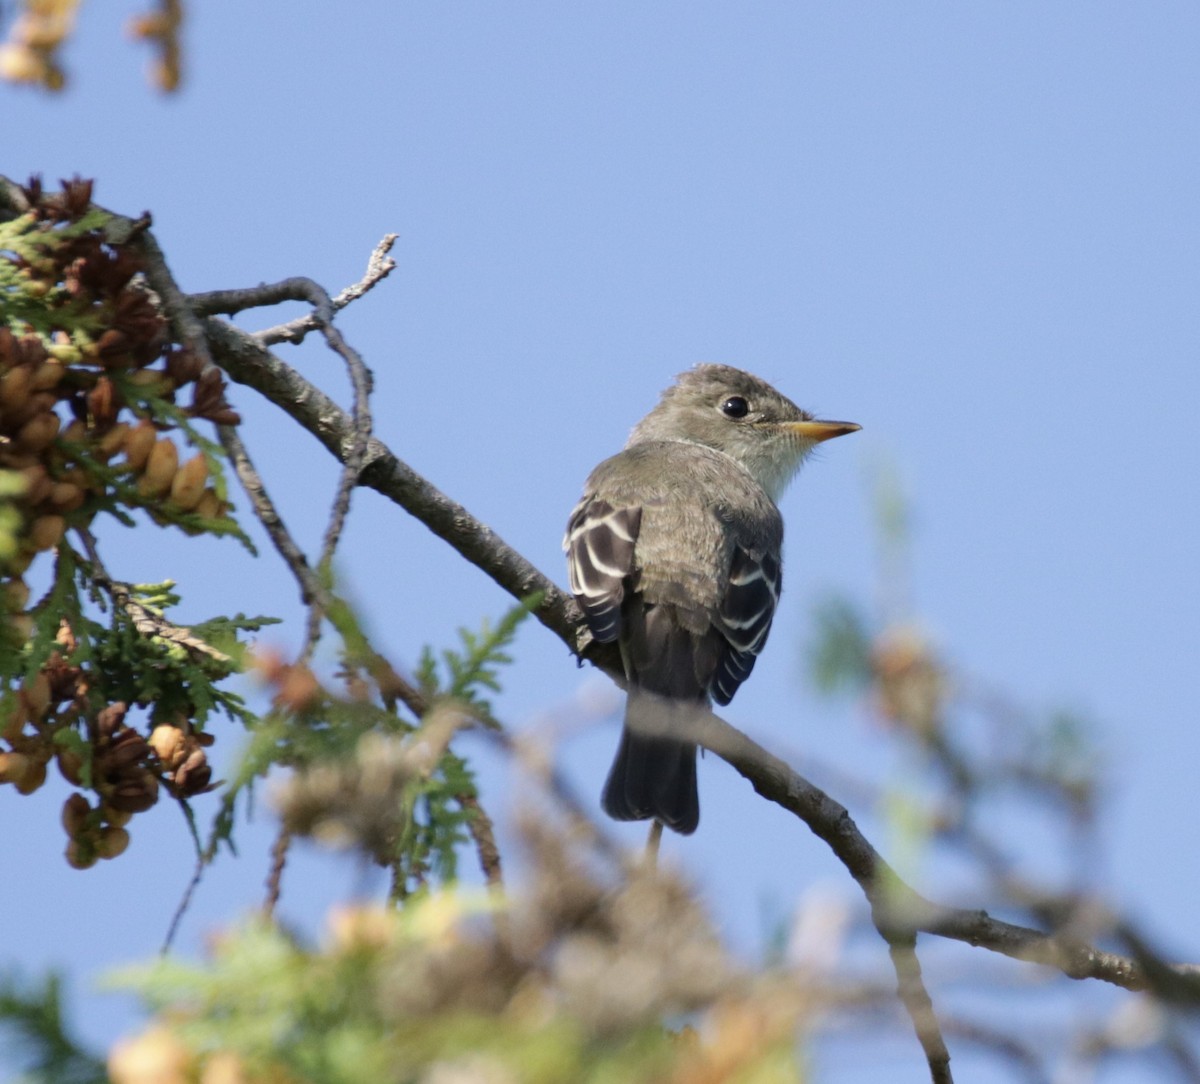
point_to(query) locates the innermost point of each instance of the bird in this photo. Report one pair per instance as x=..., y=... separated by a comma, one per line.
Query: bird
x=675, y=553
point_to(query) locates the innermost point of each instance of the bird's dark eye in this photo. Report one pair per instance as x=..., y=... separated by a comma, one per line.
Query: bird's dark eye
x=735, y=407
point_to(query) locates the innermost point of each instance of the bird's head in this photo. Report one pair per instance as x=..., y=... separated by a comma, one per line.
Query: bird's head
x=735, y=412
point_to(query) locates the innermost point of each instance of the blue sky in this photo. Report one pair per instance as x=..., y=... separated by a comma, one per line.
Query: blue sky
x=970, y=228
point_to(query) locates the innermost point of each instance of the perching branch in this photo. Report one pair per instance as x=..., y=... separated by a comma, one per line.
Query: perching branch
x=896, y=907
x=247, y=362
x=891, y=900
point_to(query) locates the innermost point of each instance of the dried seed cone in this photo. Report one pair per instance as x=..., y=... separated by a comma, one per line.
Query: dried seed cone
x=15, y=386
x=80, y=855
x=128, y=747
x=75, y=812
x=112, y=342
x=35, y=776
x=14, y=725
x=114, y=440
x=118, y=818
x=160, y=469
x=14, y=767
x=109, y=718
x=168, y=743
x=38, y=484
x=47, y=376
x=67, y=496
x=135, y=793
x=113, y=842
x=70, y=766
x=16, y=565
x=187, y=487
x=46, y=532
x=139, y=442
x=35, y=695
x=16, y=594
x=38, y=433
x=102, y=403
x=210, y=505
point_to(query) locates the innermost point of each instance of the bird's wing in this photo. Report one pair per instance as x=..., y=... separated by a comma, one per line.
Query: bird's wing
x=744, y=617
x=600, y=542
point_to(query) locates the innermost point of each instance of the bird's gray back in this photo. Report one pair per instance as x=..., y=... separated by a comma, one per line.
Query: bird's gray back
x=688, y=494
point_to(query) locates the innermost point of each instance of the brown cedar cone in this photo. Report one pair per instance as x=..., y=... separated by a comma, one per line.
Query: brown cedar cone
x=181, y=754
x=119, y=763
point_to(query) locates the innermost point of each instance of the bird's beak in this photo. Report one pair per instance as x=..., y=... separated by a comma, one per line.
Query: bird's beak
x=817, y=431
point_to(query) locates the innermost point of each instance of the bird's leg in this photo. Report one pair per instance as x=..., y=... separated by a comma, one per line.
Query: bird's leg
x=652, y=843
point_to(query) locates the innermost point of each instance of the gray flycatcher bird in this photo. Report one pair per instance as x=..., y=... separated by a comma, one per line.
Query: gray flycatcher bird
x=675, y=552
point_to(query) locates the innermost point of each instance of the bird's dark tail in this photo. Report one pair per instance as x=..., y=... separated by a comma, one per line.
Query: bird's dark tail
x=652, y=776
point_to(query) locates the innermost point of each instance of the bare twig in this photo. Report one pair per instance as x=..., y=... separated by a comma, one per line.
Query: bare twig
x=185, y=901
x=1023, y=1058
x=305, y=289
x=279, y=854
x=186, y=325
x=361, y=381
x=379, y=266
x=230, y=302
x=1172, y=985
x=483, y=833
x=653, y=842
x=910, y=986
x=267, y=514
